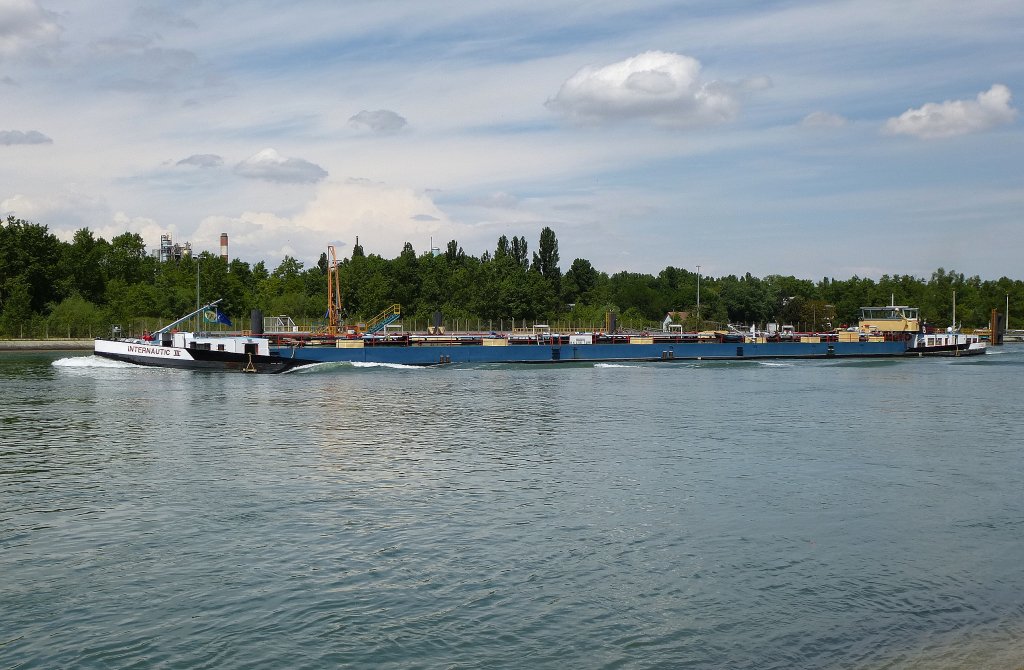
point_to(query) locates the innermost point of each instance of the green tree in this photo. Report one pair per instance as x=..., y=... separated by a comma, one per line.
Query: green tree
x=405, y=272
x=454, y=253
x=174, y=284
x=745, y=299
x=82, y=266
x=579, y=281
x=636, y=290
x=519, y=253
x=30, y=254
x=77, y=317
x=16, y=312
x=46, y=282
x=504, y=249
x=285, y=291
x=545, y=260
x=127, y=259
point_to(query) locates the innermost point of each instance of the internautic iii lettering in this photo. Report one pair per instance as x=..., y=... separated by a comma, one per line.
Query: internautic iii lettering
x=153, y=351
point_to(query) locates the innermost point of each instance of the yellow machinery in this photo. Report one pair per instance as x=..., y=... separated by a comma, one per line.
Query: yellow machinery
x=333, y=294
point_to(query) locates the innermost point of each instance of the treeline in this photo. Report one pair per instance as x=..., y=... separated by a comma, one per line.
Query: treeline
x=80, y=288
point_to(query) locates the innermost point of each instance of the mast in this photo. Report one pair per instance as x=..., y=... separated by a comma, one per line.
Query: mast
x=187, y=317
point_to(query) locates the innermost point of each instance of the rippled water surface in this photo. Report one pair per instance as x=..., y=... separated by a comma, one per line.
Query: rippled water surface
x=809, y=514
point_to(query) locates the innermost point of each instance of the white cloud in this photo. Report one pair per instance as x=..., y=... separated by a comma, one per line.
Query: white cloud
x=379, y=121
x=665, y=88
x=501, y=161
x=128, y=66
x=202, y=160
x=823, y=120
x=272, y=166
x=149, y=229
x=26, y=29
x=259, y=235
x=65, y=213
x=498, y=200
x=384, y=217
x=956, y=117
x=61, y=211
x=161, y=17
x=9, y=137
x=761, y=83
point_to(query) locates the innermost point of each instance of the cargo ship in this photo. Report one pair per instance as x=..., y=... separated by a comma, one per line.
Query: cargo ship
x=890, y=331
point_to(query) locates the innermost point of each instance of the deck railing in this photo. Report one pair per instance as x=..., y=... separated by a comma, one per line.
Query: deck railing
x=384, y=318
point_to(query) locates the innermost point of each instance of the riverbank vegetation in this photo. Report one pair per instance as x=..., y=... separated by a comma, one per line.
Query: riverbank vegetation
x=49, y=287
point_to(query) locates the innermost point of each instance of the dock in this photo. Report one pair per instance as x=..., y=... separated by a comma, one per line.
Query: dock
x=1013, y=336
x=55, y=344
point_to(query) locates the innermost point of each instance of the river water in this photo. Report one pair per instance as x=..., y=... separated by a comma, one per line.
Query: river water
x=774, y=514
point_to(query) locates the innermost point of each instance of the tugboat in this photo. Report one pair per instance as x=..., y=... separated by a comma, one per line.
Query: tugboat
x=166, y=348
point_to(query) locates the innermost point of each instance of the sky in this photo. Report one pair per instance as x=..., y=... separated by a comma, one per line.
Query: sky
x=807, y=138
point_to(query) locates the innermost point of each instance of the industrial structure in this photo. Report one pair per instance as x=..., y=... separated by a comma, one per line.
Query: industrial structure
x=169, y=251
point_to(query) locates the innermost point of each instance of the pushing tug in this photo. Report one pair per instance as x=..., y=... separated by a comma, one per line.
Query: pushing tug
x=168, y=348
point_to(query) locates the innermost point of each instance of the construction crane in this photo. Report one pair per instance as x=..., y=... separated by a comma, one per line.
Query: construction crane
x=333, y=294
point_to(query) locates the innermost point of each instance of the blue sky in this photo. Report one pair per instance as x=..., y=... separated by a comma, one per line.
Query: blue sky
x=816, y=139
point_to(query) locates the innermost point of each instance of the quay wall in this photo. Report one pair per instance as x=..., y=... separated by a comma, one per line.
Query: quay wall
x=55, y=344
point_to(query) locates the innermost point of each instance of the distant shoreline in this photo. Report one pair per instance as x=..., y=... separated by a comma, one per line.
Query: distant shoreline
x=62, y=344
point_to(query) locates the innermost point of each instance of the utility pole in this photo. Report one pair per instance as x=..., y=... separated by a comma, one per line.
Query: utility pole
x=198, y=322
x=698, y=297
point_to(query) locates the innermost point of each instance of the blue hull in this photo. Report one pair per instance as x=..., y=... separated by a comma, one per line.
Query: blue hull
x=593, y=353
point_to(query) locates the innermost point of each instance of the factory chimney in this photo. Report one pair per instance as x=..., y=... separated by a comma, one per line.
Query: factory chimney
x=224, y=247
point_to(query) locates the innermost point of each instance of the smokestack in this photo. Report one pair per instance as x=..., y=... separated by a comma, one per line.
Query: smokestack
x=224, y=247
